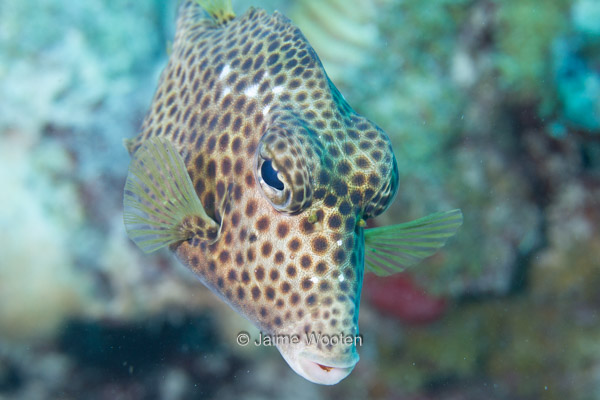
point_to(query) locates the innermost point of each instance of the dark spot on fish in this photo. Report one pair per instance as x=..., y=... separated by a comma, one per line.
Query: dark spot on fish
x=323, y=287
x=238, y=167
x=250, y=208
x=344, y=287
x=307, y=284
x=291, y=271
x=259, y=273
x=305, y=261
x=274, y=275
x=241, y=293
x=266, y=249
x=211, y=144
x=319, y=194
x=319, y=245
x=279, y=257
x=341, y=188
x=306, y=227
x=220, y=189
x=239, y=259
x=350, y=224
x=231, y=276
x=330, y=200
x=226, y=166
x=374, y=180
x=294, y=244
x=249, y=180
x=282, y=230
x=272, y=59
x=334, y=221
x=321, y=268
x=294, y=298
x=263, y=223
x=339, y=256
x=270, y=293
x=345, y=208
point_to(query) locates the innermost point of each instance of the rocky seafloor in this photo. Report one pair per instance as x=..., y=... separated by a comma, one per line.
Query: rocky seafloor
x=492, y=106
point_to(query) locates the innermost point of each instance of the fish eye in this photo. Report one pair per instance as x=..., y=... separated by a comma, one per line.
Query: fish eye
x=282, y=180
x=274, y=184
x=269, y=175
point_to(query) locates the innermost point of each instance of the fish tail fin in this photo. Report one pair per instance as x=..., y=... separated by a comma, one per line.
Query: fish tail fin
x=220, y=10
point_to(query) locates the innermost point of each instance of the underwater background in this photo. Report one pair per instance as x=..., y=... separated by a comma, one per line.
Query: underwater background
x=492, y=107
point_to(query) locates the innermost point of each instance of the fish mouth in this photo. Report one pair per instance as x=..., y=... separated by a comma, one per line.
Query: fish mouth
x=328, y=373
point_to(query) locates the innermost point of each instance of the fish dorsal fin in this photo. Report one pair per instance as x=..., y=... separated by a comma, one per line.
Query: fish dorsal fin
x=129, y=144
x=220, y=10
x=160, y=204
x=391, y=249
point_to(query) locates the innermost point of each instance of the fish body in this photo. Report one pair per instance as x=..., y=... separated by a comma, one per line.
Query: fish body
x=252, y=168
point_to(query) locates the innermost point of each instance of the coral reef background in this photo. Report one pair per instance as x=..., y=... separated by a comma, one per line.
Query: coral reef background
x=492, y=106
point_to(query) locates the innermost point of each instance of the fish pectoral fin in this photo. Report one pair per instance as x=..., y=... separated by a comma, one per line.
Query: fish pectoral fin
x=391, y=249
x=160, y=204
x=219, y=10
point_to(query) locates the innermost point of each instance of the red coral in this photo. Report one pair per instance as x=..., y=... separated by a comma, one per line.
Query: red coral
x=399, y=296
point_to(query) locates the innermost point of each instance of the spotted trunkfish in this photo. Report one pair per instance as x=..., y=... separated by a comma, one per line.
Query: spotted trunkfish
x=251, y=167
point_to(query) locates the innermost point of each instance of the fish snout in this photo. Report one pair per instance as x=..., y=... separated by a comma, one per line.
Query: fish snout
x=328, y=373
x=320, y=366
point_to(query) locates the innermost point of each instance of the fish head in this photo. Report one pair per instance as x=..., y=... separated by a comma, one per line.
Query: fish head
x=321, y=187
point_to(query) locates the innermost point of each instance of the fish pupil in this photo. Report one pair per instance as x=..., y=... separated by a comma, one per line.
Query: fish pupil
x=269, y=175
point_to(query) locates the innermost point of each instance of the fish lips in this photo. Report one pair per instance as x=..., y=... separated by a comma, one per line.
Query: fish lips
x=316, y=368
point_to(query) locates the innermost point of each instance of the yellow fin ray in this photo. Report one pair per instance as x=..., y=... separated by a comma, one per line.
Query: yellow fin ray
x=160, y=204
x=391, y=249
